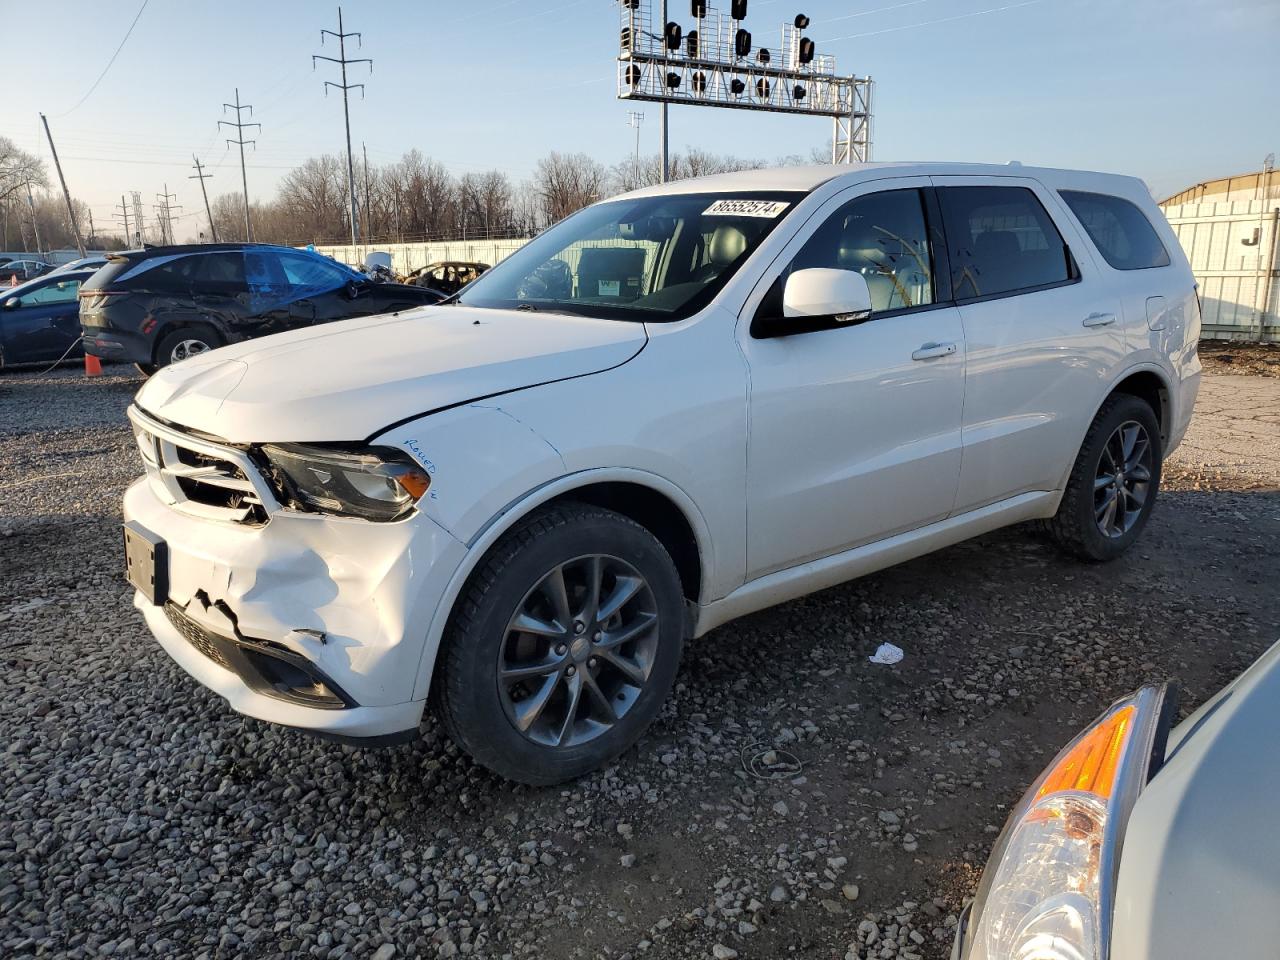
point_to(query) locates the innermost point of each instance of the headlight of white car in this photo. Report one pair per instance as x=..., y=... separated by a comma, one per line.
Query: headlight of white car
x=375, y=483
x=1049, y=887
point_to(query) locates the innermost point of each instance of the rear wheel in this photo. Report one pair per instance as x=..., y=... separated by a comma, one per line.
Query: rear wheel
x=1113, y=484
x=184, y=343
x=563, y=647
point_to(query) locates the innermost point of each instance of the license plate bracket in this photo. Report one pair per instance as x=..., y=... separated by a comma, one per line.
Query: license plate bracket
x=146, y=562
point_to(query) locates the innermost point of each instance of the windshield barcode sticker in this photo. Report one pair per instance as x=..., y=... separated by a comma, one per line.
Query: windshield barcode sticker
x=745, y=208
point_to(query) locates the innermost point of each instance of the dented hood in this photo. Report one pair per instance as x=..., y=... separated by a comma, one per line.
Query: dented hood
x=349, y=380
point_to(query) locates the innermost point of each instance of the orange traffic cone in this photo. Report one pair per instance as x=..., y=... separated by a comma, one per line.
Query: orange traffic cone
x=92, y=366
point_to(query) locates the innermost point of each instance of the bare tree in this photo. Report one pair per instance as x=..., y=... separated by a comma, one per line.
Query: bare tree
x=567, y=182
x=18, y=168
x=315, y=197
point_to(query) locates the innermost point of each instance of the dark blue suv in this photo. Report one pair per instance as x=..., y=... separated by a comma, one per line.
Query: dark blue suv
x=163, y=304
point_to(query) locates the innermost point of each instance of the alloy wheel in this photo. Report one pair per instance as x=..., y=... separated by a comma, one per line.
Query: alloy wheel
x=578, y=651
x=1123, y=479
x=187, y=348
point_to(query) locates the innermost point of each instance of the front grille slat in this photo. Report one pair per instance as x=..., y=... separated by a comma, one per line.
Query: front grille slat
x=201, y=478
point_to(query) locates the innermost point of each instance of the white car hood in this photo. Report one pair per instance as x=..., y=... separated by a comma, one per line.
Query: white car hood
x=349, y=380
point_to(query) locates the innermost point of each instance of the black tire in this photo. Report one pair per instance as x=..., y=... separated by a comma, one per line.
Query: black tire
x=477, y=708
x=146, y=369
x=1076, y=527
x=197, y=333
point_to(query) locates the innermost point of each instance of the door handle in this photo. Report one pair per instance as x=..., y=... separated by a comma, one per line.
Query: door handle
x=1099, y=319
x=930, y=350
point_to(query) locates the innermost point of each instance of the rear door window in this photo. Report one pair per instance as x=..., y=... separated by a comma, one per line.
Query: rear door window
x=1121, y=232
x=1002, y=241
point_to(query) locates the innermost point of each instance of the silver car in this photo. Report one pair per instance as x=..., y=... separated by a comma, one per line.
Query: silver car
x=1143, y=843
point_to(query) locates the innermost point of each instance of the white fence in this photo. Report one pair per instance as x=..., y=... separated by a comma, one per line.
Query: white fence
x=1233, y=251
x=410, y=256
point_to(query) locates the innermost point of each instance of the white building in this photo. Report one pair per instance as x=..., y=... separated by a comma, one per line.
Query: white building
x=1228, y=228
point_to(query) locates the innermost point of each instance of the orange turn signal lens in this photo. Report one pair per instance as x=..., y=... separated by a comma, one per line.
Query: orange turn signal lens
x=415, y=482
x=1090, y=766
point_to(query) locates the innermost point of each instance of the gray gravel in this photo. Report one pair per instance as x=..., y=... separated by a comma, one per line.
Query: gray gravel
x=142, y=818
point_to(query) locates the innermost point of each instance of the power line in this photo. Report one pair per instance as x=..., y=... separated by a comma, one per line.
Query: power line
x=128, y=34
x=930, y=23
x=240, y=126
x=342, y=61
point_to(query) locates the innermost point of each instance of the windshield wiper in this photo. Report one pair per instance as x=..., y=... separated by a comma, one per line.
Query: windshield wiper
x=527, y=307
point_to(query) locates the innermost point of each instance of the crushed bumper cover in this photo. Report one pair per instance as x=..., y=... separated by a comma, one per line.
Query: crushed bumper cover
x=307, y=621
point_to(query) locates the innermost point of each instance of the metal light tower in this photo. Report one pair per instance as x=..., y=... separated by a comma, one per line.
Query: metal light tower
x=342, y=61
x=716, y=64
x=634, y=119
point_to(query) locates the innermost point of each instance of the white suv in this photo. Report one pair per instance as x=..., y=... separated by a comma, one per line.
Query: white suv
x=672, y=409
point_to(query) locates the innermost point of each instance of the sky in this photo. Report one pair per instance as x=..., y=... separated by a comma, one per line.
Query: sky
x=1173, y=91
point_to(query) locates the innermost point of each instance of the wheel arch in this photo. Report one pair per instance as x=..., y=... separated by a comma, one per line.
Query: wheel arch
x=660, y=506
x=1150, y=384
x=166, y=325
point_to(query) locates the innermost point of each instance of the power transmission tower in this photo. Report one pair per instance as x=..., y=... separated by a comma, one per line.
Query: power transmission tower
x=164, y=212
x=139, y=229
x=124, y=214
x=66, y=194
x=240, y=127
x=202, y=177
x=342, y=61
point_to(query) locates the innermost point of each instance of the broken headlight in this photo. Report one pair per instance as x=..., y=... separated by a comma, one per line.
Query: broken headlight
x=374, y=483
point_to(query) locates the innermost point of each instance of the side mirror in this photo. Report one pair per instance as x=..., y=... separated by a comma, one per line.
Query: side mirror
x=12, y=303
x=841, y=295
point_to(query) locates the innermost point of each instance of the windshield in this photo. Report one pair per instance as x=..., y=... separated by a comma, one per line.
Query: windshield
x=654, y=258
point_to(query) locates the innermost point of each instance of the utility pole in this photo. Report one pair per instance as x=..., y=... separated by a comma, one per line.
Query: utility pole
x=239, y=126
x=75, y=227
x=124, y=212
x=634, y=119
x=92, y=232
x=35, y=227
x=342, y=61
x=666, y=155
x=368, y=210
x=202, y=177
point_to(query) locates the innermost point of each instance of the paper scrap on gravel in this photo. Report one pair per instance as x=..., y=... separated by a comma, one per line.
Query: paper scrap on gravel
x=887, y=653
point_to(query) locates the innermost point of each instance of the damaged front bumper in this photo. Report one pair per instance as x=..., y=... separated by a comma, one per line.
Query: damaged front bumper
x=308, y=621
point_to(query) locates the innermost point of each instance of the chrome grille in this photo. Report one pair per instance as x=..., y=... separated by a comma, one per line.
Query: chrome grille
x=200, y=477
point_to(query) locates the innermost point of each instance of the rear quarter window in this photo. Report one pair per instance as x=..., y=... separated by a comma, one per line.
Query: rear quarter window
x=1121, y=232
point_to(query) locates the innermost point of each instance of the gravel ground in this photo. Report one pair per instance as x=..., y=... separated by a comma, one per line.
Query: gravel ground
x=793, y=800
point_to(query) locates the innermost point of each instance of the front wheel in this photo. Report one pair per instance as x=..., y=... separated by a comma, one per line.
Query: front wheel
x=1113, y=484
x=563, y=646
